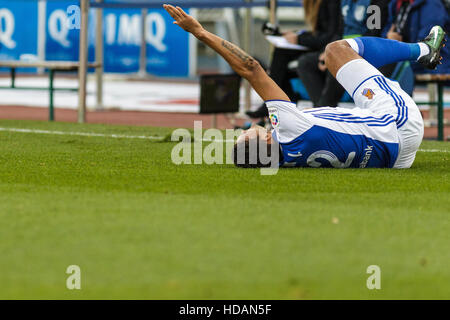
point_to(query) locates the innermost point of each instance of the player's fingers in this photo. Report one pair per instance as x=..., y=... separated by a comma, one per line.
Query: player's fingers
x=168, y=9
x=175, y=13
x=181, y=12
x=172, y=11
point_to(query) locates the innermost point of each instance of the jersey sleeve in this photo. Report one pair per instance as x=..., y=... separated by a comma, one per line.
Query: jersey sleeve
x=287, y=121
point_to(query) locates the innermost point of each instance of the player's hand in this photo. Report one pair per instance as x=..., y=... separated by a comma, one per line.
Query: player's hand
x=291, y=37
x=185, y=21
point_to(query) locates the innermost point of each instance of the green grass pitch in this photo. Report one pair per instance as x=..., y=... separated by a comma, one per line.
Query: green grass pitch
x=141, y=227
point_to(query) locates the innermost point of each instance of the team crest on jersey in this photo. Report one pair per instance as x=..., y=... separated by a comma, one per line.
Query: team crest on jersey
x=368, y=93
x=274, y=120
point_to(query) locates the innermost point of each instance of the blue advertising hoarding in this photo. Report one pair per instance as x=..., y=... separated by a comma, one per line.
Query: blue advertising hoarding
x=18, y=30
x=167, y=45
x=62, y=41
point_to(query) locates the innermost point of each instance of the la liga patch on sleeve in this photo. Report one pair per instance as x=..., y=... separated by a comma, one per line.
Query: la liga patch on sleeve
x=274, y=118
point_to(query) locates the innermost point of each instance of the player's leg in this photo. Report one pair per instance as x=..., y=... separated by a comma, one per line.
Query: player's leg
x=371, y=90
x=380, y=52
x=352, y=62
x=355, y=74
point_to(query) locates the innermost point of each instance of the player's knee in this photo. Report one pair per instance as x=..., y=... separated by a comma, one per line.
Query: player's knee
x=333, y=49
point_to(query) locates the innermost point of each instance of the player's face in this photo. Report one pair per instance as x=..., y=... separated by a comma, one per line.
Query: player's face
x=256, y=132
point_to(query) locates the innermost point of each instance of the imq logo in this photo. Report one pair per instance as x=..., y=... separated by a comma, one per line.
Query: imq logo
x=61, y=22
x=120, y=29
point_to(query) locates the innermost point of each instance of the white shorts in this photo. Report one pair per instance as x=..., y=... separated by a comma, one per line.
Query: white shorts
x=371, y=90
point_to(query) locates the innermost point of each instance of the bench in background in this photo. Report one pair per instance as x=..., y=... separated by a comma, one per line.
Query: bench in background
x=441, y=80
x=53, y=67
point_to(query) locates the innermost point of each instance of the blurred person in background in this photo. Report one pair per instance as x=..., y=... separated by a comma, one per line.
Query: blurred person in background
x=324, y=19
x=411, y=20
x=323, y=89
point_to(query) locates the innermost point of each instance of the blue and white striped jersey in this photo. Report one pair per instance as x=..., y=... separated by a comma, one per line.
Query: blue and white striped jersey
x=333, y=137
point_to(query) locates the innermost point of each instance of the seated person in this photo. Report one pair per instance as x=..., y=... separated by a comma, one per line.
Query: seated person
x=325, y=21
x=323, y=89
x=385, y=130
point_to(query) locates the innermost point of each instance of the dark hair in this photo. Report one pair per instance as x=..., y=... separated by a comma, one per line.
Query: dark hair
x=251, y=157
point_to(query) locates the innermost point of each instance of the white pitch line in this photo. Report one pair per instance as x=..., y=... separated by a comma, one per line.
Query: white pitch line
x=92, y=134
x=433, y=150
x=123, y=136
x=84, y=134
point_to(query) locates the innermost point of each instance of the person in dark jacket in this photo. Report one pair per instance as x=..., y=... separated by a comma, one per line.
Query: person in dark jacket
x=324, y=18
x=322, y=87
x=410, y=21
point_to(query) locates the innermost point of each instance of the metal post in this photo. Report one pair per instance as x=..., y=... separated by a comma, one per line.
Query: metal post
x=143, y=53
x=214, y=121
x=273, y=20
x=247, y=35
x=440, y=110
x=51, y=112
x=221, y=30
x=99, y=57
x=193, y=53
x=432, y=90
x=42, y=34
x=273, y=13
x=13, y=77
x=82, y=70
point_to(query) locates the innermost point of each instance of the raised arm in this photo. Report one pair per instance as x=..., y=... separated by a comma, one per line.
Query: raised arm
x=245, y=65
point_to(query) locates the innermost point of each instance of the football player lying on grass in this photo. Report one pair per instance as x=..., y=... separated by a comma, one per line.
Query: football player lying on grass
x=385, y=129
